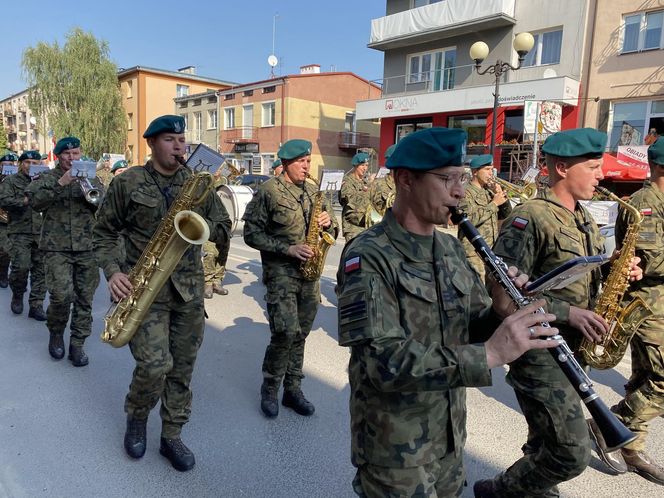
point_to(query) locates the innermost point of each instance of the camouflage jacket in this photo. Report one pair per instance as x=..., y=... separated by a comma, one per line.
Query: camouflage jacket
x=22, y=218
x=542, y=234
x=409, y=307
x=276, y=218
x=649, y=246
x=67, y=216
x=105, y=176
x=482, y=213
x=134, y=206
x=354, y=202
x=382, y=189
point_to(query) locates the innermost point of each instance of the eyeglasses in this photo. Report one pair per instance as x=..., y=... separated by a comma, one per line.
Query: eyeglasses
x=452, y=180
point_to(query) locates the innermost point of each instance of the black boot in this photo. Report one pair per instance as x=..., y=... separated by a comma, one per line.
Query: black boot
x=134, y=439
x=178, y=454
x=37, y=312
x=77, y=356
x=485, y=488
x=269, y=402
x=56, y=346
x=294, y=398
x=17, y=304
x=4, y=280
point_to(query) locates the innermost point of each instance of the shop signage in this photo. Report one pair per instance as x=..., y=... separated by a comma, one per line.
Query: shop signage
x=246, y=147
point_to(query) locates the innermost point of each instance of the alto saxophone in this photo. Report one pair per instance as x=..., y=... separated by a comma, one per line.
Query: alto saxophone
x=180, y=228
x=318, y=241
x=623, y=321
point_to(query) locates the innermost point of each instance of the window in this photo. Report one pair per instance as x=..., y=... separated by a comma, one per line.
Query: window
x=473, y=124
x=229, y=96
x=349, y=124
x=212, y=120
x=183, y=104
x=422, y=3
x=546, y=49
x=632, y=121
x=130, y=121
x=198, y=121
x=643, y=31
x=186, y=121
x=212, y=100
x=130, y=154
x=268, y=114
x=436, y=69
x=196, y=102
x=130, y=89
x=406, y=128
x=182, y=90
x=229, y=118
x=270, y=89
x=247, y=93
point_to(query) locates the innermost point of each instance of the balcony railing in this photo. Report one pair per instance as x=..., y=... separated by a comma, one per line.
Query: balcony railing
x=425, y=82
x=353, y=139
x=241, y=134
x=451, y=17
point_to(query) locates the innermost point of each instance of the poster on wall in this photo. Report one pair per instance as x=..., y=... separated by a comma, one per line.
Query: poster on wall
x=547, y=116
x=629, y=135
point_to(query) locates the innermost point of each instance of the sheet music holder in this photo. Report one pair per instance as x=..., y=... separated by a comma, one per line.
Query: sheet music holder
x=205, y=159
x=9, y=169
x=84, y=169
x=37, y=170
x=332, y=179
x=568, y=272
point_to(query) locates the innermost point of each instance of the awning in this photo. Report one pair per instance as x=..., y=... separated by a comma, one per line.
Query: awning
x=620, y=170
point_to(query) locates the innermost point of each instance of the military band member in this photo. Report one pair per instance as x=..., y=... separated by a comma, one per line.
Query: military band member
x=214, y=265
x=383, y=191
x=118, y=168
x=277, y=167
x=8, y=159
x=71, y=269
x=644, y=392
x=166, y=343
x=23, y=232
x=414, y=313
x=540, y=235
x=354, y=197
x=276, y=222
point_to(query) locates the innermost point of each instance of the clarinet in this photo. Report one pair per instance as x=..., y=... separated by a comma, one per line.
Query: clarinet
x=614, y=432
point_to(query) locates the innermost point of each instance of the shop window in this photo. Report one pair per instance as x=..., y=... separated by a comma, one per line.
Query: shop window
x=473, y=124
x=635, y=123
x=405, y=129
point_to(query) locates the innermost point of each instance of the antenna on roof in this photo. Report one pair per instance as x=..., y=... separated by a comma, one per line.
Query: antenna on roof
x=272, y=59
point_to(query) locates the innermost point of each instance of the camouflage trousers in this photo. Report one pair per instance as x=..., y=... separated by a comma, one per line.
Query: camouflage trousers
x=27, y=259
x=644, y=392
x=558, y=440
x=71, y=279
x=4, y=250
x=291, y=306
x=439, y=479
x=165, y=348
x=214, y=271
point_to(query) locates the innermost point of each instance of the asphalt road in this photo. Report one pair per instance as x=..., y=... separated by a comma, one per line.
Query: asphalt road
x=61, y=427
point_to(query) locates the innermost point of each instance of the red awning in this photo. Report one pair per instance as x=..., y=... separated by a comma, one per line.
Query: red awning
x=614, y=169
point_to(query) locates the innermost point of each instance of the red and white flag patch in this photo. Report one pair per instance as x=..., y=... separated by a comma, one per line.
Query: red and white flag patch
x=352, y=264
x=646, y=212
x=520, y=223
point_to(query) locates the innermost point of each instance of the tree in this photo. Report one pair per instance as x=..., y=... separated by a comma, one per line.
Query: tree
x=76, y=88
x=3, y=138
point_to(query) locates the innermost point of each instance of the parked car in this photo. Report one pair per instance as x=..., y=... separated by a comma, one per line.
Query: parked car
x=251, y=181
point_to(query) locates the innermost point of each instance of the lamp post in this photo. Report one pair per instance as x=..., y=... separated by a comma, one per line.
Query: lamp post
x=523, y=43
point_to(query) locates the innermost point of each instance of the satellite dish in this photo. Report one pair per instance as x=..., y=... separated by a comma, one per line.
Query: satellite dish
x=549, y=73
x=272, y=60
x=33, y=121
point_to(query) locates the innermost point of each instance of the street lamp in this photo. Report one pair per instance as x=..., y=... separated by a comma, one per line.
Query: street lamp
x=523, y=43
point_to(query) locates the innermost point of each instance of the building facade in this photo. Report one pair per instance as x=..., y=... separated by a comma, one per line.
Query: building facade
x=25, y=130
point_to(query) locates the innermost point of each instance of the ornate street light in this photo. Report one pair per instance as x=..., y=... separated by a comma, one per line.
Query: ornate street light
x=523, y=43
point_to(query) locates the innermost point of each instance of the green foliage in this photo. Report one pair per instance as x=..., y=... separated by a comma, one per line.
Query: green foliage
x=76, y=87
x=3, y=138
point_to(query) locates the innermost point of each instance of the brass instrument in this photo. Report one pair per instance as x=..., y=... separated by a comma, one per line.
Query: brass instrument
x=312, y=268
x=180, y=228
x=523, y=192
x=623, y=321
x=377, y=206
x=91, y=193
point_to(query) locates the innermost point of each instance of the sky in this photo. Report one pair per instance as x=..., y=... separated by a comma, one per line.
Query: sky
x=227, y=40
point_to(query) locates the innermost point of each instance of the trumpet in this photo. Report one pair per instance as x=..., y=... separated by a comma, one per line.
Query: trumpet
x=523, y=192
x=91, y=193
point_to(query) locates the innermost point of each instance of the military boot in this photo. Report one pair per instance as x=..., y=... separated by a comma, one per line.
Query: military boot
x=134, y=439
x=37, y=312
x=219, y=289
x=181, y=457
x=17, y=304
x=485, y=488
x=4, y=278
x=294, y=398
x=612, y=459
x=56, y=346
x=77, y=356
x=640, y=463
x=207, y=293
x=269, y=401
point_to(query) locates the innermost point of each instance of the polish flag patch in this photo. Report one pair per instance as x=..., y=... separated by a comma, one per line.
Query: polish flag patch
x=520, y=223
x=352, y=264
x=646, y=212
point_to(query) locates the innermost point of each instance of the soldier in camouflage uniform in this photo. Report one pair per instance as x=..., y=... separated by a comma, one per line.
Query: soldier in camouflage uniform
x=23, y=233
x=354, y=197
x=8, y=159
x=410, y=309
x=537, y=237
x=276, y=222
x=166, y=343
x=277, y=167
x=644, y=393
x=214, y=264
x=483, y=208
x=104, y=172
x=71, y=270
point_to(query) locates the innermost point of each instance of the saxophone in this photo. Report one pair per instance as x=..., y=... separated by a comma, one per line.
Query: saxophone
x=623, y=320
x=312, y=268
x=180, y=228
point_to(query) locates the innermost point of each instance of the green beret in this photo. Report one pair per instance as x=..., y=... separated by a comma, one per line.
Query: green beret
x=276, y=163
x=66, y=144
x=294, y=149
x=580, y=142
x=656, y=152
x=430, y=148
x=359, y=158
x=119, y=165
x=165, y=124
x=30, y=154
x=481, y=161
x=389, y=150
x=9, y=156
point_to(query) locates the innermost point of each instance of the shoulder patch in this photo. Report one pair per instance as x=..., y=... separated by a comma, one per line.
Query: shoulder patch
x=352, y=264
x=520, y=223
x=646, y=211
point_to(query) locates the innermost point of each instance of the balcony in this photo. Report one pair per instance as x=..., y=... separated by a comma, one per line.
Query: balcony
x=241, y=134
x=428, y=81
x=193, y=136
x=439, y=20
x=7, y=109
x=353, y=140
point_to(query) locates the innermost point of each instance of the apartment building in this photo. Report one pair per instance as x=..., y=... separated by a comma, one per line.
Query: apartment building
x=22, y=126
x=148, y=93
x=256, y=118
x=625, y=71
x=430, y=79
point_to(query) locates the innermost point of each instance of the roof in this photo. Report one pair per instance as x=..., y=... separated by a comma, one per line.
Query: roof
x=185, y=76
